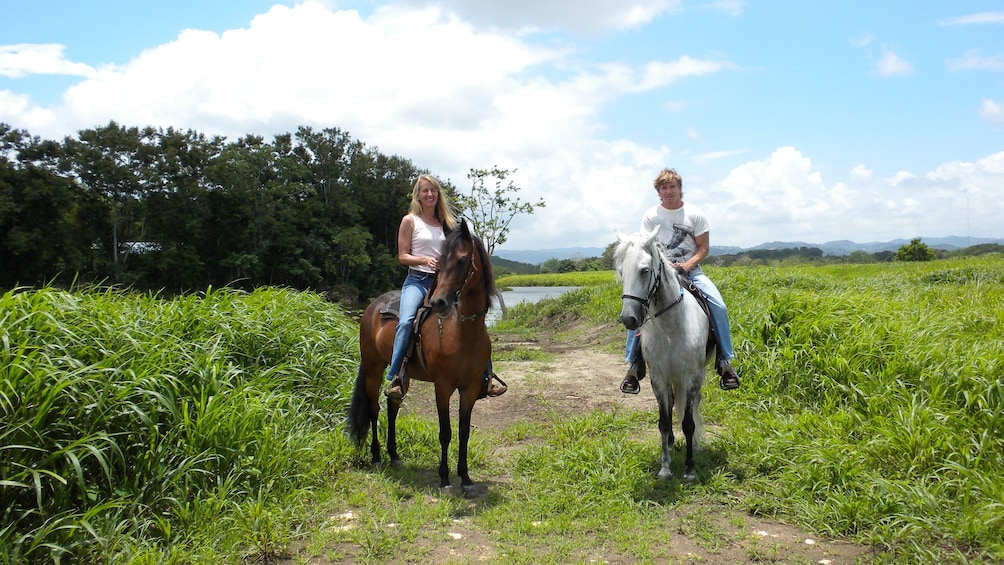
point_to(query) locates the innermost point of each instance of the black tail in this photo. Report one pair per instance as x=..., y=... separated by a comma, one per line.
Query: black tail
x=359, y=411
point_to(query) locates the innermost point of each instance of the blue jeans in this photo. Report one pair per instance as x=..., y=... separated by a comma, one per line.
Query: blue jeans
x=416, y=286
x=719, y=319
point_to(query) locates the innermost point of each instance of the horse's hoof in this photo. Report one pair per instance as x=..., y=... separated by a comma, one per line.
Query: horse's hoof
x=396, y=463
x=470, y=491
x=446, y=490
x=690, y=477
x=665, y=474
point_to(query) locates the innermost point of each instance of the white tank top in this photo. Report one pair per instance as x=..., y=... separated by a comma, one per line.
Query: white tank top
x=426, y=241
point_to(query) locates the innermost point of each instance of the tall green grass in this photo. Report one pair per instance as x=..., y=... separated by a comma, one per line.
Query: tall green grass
x=577, y=278
x=205, y=429
x=133, y=425
x=872, y=404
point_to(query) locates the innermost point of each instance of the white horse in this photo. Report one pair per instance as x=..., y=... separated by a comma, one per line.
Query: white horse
x=674, y=337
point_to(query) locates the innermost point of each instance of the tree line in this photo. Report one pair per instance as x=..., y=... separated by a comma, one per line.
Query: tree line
x=176, y=211
x=916, y=250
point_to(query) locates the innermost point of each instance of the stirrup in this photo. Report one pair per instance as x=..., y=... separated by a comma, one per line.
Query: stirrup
x=728, y=379
x=395, y=390
x=487, y=390
x=630, y=384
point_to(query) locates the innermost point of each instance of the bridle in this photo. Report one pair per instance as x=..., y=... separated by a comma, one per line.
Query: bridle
x=456, y=298
x=654, y=285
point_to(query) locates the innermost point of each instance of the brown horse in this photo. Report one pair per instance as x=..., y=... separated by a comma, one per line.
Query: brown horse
x=453, y=350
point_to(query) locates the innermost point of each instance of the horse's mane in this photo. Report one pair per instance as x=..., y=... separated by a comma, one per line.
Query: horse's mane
x=463, y=233
x=639, y=240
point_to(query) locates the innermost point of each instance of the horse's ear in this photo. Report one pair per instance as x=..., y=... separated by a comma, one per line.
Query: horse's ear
x=620, y=235
x=464, y=229
x=651, y=235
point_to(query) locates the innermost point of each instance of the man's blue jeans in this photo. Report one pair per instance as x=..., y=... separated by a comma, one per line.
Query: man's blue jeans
x=719, y=319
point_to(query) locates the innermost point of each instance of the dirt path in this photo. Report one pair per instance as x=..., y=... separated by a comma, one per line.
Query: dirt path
x=583, y=379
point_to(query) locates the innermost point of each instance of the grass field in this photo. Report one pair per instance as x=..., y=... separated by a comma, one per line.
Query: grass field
x=206, y=429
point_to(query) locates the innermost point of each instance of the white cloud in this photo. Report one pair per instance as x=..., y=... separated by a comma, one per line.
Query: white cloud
x=575, y=16
x=780, y=198
x=980, y=18
x=396, y=73
x=973, y=61
x=712, y=156
x=784, y=198
x=861, y=172
x=902, y=177
x=991, y=111
x=732, y=8
x=862, y=40
x=892, y=65
x=39, y=59
x=674, y=105
x=662, y=73
x=20, y=105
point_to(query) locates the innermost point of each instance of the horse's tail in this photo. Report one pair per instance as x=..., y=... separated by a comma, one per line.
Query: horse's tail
x=359, y=410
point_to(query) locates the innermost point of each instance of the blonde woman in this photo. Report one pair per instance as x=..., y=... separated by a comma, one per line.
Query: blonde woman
x=419, y=243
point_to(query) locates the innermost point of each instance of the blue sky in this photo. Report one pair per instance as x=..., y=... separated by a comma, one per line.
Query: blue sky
x=789, y=120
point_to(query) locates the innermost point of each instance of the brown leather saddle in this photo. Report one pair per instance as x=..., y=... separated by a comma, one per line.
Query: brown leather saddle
x=702, y=299
x=392, y=311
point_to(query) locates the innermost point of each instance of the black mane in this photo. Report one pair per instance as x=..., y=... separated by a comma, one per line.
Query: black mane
x=463, y=234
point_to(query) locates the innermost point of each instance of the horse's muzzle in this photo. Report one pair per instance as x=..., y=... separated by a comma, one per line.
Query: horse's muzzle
x=441, y=305
x=630, y=318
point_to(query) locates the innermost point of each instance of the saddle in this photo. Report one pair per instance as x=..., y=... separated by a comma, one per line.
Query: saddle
x=702, y=299
x=392, y=311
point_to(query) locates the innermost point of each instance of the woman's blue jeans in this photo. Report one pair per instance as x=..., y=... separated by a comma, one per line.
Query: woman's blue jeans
x=719, y=319
x=416, y=286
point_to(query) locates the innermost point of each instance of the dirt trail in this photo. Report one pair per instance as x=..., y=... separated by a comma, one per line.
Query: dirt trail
x=583, y=379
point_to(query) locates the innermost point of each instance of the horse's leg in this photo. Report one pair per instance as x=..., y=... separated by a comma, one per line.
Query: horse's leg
x=392, y=409
x=689, y=426
x=666, y=431
x=374, y=432
x=445, y=432
x=463, y=435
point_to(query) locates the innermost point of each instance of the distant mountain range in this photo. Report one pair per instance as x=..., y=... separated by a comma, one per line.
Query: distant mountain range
x=842, y=247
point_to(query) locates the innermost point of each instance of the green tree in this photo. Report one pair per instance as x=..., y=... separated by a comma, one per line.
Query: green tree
x=491, y=211
x=36, y=244
x=111, y=162
x=915, y=251
x=178, y=215
x=608, y=256
x=860, y=256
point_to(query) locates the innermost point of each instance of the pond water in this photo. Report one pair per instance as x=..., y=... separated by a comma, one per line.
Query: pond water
x=529, y=294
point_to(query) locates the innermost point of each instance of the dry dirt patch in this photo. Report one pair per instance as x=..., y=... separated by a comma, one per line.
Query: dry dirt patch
x=579, y=380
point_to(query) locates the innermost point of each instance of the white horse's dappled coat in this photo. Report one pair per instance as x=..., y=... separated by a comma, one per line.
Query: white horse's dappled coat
x=674, y=337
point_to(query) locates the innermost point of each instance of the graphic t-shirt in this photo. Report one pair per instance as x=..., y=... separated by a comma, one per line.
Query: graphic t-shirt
x=677, y=229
